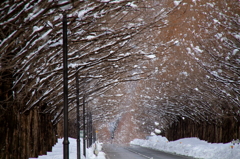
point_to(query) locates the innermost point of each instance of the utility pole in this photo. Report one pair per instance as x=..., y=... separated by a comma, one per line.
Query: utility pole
x=90, y=129
x=87, y=127
x=84, y=126
x=65, y=89
x=78, y=118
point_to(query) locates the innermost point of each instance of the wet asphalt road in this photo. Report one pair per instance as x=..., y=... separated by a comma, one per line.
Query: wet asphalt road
x=136, y=152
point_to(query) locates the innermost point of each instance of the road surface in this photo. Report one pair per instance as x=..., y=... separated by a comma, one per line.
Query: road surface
x=136, y=152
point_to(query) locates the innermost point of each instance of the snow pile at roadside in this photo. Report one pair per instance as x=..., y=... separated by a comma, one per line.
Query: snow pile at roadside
x=191, y=147
x=57, y=151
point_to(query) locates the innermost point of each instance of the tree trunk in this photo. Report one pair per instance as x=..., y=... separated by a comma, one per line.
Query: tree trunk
x=223, y=132
x=26, y=135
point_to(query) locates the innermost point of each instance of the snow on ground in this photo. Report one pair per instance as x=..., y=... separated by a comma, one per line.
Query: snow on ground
x=57, y=151
x=188, y=146
x=191, y=147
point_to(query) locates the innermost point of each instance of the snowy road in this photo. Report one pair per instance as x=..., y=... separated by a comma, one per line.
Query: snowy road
x=136, y=152
x=118, y=152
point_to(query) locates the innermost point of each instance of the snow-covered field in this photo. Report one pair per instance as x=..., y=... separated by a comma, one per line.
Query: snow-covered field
x=57, y=151
x=192, y=147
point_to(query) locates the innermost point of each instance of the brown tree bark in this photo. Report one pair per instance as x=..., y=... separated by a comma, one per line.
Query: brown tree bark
x=26, y=135
x=223, y=132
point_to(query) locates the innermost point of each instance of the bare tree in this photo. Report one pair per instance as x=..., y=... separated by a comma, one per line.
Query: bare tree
x=195, y=71
x=103, y=47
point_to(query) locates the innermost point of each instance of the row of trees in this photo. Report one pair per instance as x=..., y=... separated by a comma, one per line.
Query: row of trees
x=196, y=73
x=186, y=52
x=103, y=48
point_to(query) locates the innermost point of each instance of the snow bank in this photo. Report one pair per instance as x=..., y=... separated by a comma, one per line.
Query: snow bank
x=57, y=151
x=191, y=147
